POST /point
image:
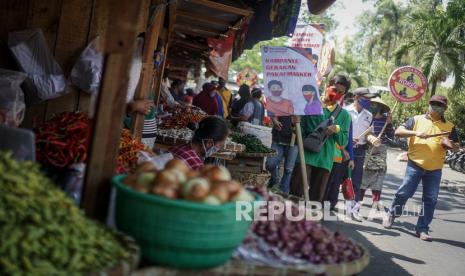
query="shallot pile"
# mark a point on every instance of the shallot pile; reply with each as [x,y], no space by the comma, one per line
[305,239]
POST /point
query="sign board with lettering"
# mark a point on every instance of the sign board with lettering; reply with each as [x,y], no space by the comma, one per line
[290,81]
[407,84]
[309,37]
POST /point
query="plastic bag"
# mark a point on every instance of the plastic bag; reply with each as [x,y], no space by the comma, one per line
[159,161]
[87,71]
[75,181]
[45,77]
[135,70]
[255,250]
[12,105]
[261,132]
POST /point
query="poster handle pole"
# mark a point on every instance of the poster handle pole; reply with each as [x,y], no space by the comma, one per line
[300,144]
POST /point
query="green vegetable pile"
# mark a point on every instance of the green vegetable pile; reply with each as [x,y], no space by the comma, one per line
[252,143]
[42,232]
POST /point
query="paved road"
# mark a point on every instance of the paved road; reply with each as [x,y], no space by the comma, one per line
[398,251]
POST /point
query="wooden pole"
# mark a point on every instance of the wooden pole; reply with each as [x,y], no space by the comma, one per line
[300,144]
[151,41]
[111,105]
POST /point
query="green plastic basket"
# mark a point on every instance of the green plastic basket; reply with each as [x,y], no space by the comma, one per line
[178,233]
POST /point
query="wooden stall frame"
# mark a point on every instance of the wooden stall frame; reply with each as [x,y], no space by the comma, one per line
[119,46]
[147,75]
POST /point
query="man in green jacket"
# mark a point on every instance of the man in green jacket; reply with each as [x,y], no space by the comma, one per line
[319,165]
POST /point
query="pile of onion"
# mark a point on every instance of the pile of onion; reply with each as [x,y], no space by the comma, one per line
[210,185]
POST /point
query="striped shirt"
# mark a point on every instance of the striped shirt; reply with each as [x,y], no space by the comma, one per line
[378,124]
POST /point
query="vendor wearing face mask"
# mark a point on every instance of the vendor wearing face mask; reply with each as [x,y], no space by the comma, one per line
[206,100]
[319,165]
[361,121]
[426,154]
[208,138]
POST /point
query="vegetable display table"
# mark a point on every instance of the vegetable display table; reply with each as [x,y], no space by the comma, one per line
[236,267]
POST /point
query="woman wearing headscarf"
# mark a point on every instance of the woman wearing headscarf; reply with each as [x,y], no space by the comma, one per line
[206,100]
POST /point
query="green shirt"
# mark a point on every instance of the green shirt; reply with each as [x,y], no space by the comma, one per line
[324,158]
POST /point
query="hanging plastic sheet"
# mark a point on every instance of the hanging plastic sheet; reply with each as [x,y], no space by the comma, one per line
[87,72]
[221,55]
[45,77]
[12,105]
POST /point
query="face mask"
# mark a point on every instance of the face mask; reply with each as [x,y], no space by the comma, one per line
[364,103]
[209,152]
[276,93]
[374,110]
[308,97]
[212,94]
[437,109]
[333,95]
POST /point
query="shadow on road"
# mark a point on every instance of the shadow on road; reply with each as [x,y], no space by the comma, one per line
[451,242]
[451,220]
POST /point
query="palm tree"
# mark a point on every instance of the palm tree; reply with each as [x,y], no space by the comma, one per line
[436,46]
[385,25]
[347,65]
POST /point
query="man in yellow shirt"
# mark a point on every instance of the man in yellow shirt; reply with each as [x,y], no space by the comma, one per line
[226,96]
[429,136]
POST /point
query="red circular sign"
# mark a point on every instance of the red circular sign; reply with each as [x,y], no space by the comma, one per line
[407,84]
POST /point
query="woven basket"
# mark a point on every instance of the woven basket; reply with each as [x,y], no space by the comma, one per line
[178,233]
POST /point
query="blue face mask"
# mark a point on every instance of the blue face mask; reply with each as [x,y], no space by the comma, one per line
[209,152]
[364,103]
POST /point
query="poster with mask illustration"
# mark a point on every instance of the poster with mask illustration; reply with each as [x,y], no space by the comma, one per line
[407,84]
[290,81]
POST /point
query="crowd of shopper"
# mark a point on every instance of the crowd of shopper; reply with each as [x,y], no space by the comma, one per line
[354,145]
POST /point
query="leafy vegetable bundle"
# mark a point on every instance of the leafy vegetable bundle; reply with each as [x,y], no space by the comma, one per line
[43,232]
[252,143]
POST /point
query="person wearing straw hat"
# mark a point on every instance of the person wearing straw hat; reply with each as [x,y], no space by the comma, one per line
[376,165]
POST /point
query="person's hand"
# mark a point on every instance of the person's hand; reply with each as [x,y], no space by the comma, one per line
[376,142]
[141,106]
[351,164]
[277,124]
[355,141]
[421,135]
[389,119]
[331,130]
[295,120]
[346,155]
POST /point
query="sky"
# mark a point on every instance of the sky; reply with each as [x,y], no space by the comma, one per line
[346,14]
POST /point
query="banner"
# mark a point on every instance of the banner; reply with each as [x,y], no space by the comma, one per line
[220,55]
[312,37]
[309,37]
[290,81]
[407,84]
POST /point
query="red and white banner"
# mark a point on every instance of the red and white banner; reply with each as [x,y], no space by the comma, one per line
[220,55]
